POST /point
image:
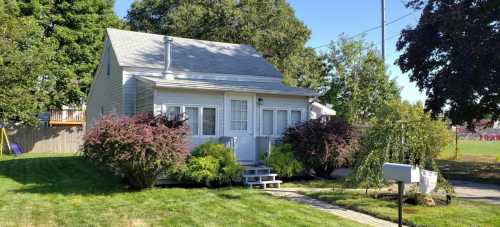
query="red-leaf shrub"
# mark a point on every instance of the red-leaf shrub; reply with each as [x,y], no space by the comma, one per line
[322,145]
[138,148]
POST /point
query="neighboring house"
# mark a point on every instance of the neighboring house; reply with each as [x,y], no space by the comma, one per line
[225,90]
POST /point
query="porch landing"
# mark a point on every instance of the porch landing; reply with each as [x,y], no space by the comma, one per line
[260,175]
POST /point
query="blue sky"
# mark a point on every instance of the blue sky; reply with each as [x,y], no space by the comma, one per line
[327,19]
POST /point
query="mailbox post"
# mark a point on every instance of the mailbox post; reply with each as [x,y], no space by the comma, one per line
[401,173]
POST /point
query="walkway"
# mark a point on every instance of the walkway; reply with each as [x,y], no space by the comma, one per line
[327,207]
[477,191]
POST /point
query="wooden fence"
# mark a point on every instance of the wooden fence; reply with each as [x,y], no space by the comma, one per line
[48,139]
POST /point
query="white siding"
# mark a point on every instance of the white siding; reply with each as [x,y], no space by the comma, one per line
[144,97]
[182,97]
[106,91]
[129,94]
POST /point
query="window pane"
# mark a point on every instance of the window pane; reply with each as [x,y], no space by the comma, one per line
[282,121]
[209,121]
[267,122]
[239,114]
[192,119]
[296,117]
[173,111]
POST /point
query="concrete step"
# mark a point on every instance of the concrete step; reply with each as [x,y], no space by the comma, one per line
[265,183]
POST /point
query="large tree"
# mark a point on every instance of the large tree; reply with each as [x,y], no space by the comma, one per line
[77,27]
[359,85]
[453,55]
[270,26]
[25,78]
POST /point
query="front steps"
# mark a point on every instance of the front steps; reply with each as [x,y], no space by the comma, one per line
[261,176]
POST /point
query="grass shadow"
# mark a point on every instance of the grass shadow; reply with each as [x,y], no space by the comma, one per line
[59,175]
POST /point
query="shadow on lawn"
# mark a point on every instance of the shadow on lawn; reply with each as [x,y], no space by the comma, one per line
[59,175]
[470,171]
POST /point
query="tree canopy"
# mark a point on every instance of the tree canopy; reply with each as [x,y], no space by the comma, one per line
[358,82]
[24,76]
[453,55]
[77,27]
[270,26]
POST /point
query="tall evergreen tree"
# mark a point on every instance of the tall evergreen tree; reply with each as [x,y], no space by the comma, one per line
[270,26]
[25,79]
[78,28]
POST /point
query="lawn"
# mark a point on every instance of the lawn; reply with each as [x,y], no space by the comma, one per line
[474,150]
[459,213]
[65,190]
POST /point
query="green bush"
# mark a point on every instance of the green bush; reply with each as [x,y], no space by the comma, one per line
[211,164]
[283,161]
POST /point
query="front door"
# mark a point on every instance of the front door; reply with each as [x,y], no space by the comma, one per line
[239,122]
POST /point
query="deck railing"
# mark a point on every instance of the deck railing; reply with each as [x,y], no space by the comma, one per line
[67,117]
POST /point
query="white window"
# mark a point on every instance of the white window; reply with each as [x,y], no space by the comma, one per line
[173,111]
[281,121]
[192,115]
[267,122]
[209,121]
[295,117]
[239,121]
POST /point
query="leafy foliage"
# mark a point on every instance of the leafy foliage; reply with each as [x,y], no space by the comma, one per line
[423,139]
[322,145]
[452,54]
[211,164]
[359,85]
[24,56]
[77,28]
[270,26]
[138,148]
[283,161]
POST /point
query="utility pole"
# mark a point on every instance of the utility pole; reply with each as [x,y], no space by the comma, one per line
[383,28]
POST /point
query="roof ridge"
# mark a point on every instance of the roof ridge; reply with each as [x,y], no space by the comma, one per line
[178,37]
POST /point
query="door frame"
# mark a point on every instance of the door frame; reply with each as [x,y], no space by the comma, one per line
[251,116]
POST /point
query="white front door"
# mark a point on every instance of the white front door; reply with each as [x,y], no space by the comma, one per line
[239,121]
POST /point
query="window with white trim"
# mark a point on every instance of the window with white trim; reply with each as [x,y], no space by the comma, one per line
[209,121]
[295,117]
[239,118]
[172,111]
[267,122]
[281,121]
[192,115]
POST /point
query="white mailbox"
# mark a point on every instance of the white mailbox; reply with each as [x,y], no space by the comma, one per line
[401,172]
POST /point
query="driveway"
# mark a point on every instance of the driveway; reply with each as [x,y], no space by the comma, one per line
[476,191]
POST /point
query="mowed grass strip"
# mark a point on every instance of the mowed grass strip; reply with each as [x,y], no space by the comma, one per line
[65,190]
[474,150]
[459,213]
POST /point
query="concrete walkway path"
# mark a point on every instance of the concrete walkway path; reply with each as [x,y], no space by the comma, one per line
[476,191]
[330,208]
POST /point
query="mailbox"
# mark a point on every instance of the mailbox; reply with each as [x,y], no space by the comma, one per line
[401,172]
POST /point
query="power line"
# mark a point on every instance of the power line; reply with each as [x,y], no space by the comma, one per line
[371,29]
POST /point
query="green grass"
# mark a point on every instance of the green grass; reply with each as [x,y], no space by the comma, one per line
[459,213]
[65,190]
[474,150]
[313,184]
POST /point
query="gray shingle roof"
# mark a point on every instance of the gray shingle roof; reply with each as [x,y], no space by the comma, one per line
[138,49]
[228,85]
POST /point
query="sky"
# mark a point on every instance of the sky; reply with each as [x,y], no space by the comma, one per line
[327,19]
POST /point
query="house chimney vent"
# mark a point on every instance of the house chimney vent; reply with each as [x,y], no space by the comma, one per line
[167,55]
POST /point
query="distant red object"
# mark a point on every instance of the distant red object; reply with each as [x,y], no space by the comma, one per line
[490,137]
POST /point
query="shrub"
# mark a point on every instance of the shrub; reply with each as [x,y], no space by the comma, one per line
[321,144]
[424,139]
[212,164]
[138,148]
[283,161]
